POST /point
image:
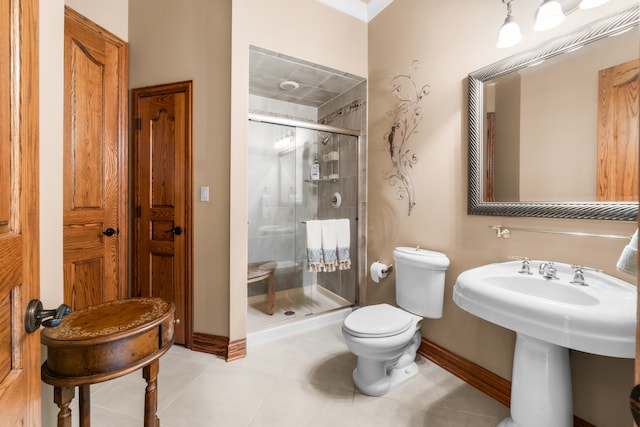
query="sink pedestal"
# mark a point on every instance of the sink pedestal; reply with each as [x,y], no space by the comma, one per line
[540,385]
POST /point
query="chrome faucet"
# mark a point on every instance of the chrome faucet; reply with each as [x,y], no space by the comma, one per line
[525,268]
[548,270]
[578,274]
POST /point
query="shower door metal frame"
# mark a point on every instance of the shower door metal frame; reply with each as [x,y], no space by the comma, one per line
[360,242]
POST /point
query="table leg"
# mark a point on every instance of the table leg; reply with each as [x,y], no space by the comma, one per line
[271,294]
[84,405]
[62,396]
[150,374]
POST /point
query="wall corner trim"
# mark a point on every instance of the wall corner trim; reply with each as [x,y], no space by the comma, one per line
[219,346]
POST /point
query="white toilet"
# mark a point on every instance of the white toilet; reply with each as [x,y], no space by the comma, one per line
[386,338]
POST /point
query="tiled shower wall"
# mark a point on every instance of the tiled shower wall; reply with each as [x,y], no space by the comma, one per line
[348,111]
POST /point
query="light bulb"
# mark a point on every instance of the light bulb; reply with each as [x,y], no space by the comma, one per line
[510,34]
[549,15]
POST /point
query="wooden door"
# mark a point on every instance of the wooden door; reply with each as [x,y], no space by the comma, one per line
[95,162]
[163,188]
[19,216]
[618,130]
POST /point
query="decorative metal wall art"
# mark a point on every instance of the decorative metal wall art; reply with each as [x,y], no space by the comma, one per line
[406,118]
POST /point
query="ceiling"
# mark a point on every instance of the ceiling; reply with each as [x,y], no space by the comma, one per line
[364,10]
[317,85]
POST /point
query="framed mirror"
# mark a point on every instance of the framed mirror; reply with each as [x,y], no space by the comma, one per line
[543,141]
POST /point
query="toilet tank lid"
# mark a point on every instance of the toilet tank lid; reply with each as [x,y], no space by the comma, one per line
[418,255]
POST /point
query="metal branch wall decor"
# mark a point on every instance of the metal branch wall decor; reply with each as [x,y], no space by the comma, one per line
[406,118]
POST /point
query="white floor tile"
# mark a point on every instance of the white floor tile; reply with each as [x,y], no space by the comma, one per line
[303,380]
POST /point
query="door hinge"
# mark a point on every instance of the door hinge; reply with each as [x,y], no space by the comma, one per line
[139,123]
[139,211]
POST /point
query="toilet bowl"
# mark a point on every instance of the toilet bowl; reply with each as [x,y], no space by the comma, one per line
[386,338]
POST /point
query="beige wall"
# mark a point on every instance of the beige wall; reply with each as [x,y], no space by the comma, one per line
[507,164]
[51,100]
[111,14]
[451,40]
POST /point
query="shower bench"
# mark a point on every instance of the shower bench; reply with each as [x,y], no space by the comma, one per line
[258,271]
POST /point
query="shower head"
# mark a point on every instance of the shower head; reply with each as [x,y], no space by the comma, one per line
[326,139]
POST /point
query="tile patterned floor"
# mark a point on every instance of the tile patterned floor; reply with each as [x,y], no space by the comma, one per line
[303,380]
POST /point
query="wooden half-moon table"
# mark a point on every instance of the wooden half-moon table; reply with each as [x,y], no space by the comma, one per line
[103,342]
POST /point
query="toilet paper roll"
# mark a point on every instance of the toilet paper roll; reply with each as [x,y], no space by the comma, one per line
[378,271]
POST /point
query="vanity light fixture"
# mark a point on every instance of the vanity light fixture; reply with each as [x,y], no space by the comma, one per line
[548,15]
[510,34]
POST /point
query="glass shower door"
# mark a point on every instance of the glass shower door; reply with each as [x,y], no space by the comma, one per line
[282,197]
[336,206]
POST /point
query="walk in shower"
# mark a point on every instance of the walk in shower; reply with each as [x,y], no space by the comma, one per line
[298,172]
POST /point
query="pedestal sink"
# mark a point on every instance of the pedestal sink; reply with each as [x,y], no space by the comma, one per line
[550,316]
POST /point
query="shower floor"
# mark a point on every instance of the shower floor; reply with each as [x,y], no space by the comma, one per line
[303,302]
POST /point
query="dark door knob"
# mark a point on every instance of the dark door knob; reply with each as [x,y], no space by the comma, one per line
[177,230]
[111,232]
[36,316]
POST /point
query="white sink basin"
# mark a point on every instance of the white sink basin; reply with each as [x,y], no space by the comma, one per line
[599,318]
[549,317]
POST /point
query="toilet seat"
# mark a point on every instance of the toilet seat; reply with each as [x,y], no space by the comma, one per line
[378,321]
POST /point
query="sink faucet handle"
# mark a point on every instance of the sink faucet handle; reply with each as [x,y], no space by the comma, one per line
[583,268]
[525,268]
[578,274]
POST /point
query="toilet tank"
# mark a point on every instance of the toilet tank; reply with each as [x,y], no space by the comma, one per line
[420,281]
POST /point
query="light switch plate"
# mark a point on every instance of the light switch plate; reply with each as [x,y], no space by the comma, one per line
[204,193]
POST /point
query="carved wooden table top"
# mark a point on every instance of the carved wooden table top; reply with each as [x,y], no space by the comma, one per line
[103,342]
[108,320]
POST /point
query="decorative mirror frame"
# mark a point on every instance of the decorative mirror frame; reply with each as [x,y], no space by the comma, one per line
[624,211]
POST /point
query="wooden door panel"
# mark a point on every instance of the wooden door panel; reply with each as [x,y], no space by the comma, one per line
[80,237]
[618,132]
[19,212]
[84,282]
[162,152]
[162,190]
[87,144]
[6,335]
[94,163]
[162,276]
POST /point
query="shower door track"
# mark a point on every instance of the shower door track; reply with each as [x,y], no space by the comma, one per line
[301,124]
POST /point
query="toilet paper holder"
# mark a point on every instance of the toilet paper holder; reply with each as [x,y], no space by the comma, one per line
[388,269]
